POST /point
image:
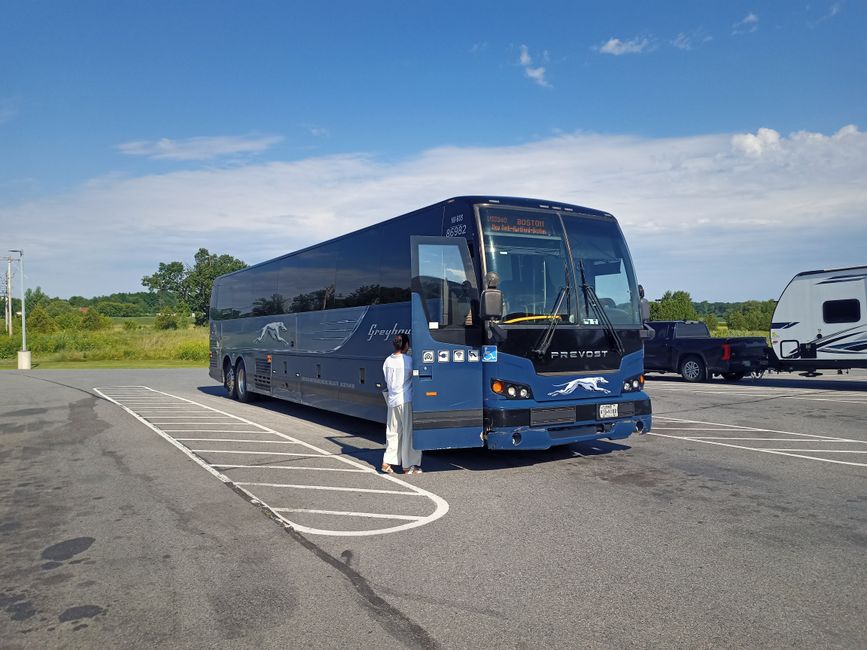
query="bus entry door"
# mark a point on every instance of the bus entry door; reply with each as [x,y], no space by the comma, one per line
[447,375]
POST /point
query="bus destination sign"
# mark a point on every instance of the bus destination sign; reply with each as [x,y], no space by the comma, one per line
[517,225]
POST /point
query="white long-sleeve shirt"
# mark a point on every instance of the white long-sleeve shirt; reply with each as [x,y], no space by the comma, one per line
[398,379]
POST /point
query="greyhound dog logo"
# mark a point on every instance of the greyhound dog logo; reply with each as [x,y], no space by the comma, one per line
[272,330]
[587,383]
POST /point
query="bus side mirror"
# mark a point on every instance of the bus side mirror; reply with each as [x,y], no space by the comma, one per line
[492,304]
[647,332]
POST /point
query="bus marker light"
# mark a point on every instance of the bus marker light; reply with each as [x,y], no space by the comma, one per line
[497,387]
[431,394]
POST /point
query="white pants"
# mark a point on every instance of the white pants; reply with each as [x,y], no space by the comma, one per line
[398,436]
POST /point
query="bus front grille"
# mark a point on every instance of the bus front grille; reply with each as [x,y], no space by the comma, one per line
[557,415]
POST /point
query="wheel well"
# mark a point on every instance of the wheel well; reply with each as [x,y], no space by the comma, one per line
[690,355]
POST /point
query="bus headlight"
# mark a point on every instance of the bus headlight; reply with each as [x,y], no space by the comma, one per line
[633,384]
[511,390]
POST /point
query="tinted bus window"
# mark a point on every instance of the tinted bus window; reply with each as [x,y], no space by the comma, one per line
[393,240]
[841,311]
[262,284]
[357,282]
[308,279]
[234,299]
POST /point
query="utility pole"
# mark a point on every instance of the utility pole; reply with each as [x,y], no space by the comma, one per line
[24,359]
[8,313]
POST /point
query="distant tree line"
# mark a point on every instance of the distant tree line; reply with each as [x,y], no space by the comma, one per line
[749,315]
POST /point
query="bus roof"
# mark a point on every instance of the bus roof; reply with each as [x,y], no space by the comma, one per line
[513,201]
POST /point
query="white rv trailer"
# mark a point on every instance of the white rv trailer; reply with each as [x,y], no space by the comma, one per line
[821,321]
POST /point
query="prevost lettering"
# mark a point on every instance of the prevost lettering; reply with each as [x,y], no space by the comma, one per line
[580,354]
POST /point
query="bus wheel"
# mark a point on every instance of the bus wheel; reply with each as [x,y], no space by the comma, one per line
[229,380]
[692,369]
[241,388]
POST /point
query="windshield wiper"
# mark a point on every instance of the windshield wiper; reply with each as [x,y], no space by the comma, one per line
[544,341]
[591,299]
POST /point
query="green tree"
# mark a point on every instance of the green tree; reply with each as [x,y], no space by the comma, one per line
[93,320]
[711,321]
[39,321]
[36,298]
[191,285]
[674,305]
[166,320]
[752,315]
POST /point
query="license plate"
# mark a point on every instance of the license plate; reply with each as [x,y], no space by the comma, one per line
[607,411]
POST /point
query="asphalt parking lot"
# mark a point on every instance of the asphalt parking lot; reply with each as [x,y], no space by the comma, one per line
[142,508]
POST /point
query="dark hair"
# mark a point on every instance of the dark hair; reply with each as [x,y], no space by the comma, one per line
[400,342]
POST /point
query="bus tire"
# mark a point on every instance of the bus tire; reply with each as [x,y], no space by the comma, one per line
[242,389]
[229,382]
[692,369]
[733,376]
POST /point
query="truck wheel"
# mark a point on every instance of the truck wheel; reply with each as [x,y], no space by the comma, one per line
[692,369]
[229,380]
[733,376]
[241,387]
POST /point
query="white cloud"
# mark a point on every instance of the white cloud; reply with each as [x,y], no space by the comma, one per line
[763,142]
[318,131]
[684,41]
[725,216]
[537,74]
[478,48]
[201,148]
[617,47]
[747,25]
[833,11]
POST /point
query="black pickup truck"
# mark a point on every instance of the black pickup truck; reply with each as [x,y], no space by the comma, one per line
[687,347]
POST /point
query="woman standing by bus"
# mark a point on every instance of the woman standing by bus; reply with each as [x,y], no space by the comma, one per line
[397,370]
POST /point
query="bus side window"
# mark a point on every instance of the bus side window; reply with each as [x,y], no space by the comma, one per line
[446,290]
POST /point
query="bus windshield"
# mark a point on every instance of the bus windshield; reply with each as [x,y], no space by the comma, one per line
[599,244]
[528,250]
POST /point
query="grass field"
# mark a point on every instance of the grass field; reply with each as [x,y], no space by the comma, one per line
[117,347]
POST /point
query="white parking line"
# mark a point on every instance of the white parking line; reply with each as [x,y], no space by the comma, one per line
[312,469]
[737,427]
[117,395]
[795,453]
[257,442]
[758,439]
[332,488]
[257,453]
[209,431]
[373,515]
[825,451]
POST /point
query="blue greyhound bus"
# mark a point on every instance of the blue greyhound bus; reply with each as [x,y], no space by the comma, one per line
[523,315]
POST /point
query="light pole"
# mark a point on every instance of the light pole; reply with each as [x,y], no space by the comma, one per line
[23,354]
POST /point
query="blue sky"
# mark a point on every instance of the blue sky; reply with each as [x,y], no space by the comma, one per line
[718,133]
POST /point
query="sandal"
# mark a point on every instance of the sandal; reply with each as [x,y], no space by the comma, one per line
[386,469]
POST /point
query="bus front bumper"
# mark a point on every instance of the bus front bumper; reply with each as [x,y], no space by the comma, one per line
[510,429]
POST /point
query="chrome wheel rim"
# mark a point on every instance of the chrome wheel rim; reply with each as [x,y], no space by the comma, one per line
[230,379]
[242,381]
[691,370]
